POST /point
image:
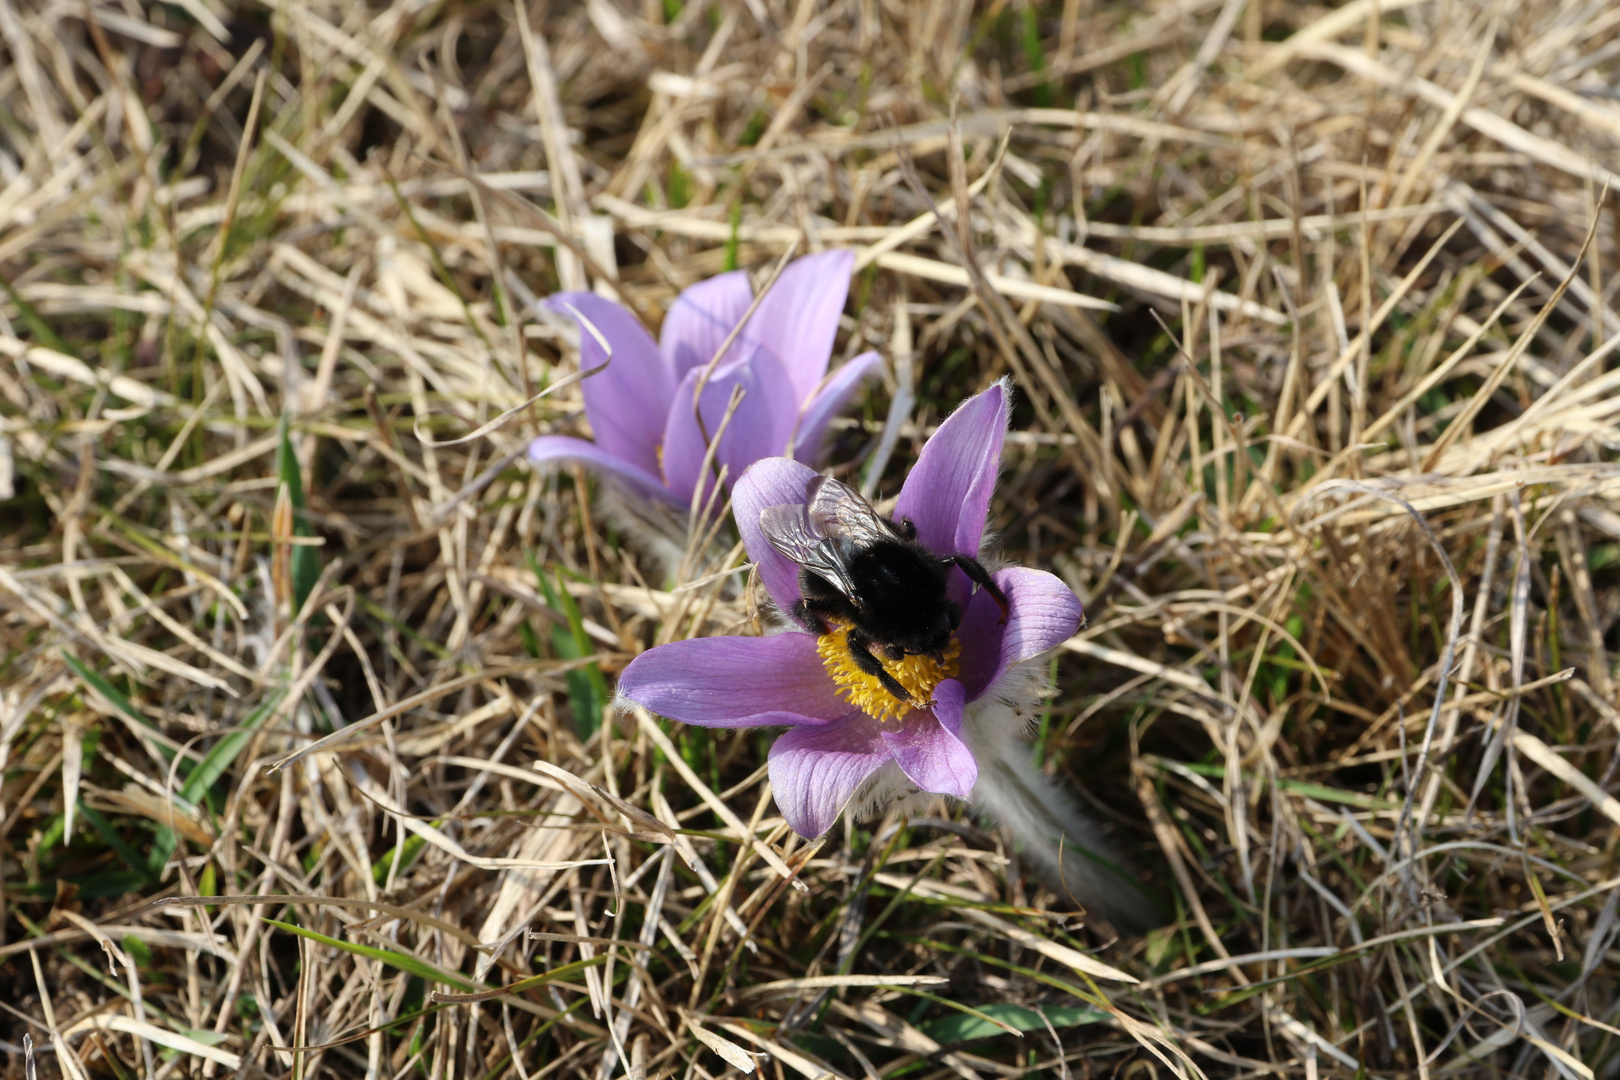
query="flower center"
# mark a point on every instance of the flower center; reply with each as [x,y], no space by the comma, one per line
[918,674]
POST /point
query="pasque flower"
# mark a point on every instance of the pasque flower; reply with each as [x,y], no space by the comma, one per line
[847,737]
[647,435]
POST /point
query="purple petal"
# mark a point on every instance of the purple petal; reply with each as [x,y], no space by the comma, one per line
[549,448]
[701,318]
[798,318]
[1042,613]
[735,682]
[815,770]
[764,419]
[636,386]
[683,442]
[758,429]
[771,482]
[947,493]
[829,400]
[928,744]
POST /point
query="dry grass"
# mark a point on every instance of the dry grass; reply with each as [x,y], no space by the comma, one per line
[1336,481]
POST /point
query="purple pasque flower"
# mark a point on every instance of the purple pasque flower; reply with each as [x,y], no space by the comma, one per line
[647,434]
[843,738]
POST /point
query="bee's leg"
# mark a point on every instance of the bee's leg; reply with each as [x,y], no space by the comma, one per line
[860,647]
[820,603]
[812,614]
[981,577]
[801,614]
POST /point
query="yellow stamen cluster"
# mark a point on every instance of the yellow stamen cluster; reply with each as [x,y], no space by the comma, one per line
[918,674]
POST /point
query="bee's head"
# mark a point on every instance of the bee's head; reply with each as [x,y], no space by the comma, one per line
[927,636]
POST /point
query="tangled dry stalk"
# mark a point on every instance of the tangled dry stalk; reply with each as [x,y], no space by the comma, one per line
[1331,463]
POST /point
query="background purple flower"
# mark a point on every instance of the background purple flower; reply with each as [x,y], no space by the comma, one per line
[640,408]
[831,749]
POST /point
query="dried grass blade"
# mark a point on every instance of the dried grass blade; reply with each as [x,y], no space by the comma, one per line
[433,693]
[1545,757]
[278,899]
[162,1036]
[1062,954]
[704,792]
[1463,421]
[500,421]
[730,1052]
[1017,288]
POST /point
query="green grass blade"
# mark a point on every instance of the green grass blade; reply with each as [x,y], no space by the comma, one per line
[587,690]
[408,851]
[403,961]
[223,754]
[214,764]
[107,690]
[306,564]
[36,324]
[522,984]
[104,829]
[995,1018]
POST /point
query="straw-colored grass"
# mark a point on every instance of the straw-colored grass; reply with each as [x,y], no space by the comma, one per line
[1332,466]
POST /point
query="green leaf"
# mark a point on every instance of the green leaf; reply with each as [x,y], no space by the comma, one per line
[587,690]
[1035,57]
[137,950]
[287,469]
[409,850]
[403,961]
[306,564]
[35,322]
[736,209]
[164,843]
[104,829]
[107,690]
[222,754]
[207,1038]
[490,994]
[751,135]
[106,883]
[962,1027]
[1320,792]
[679,189]
[416,637]
[214,764]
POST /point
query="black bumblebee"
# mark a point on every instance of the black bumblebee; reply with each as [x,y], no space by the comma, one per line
[861,568]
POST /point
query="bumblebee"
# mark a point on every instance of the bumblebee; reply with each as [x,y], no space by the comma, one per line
[861,570]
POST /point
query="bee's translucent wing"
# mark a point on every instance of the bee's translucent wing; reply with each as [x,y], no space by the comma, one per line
[791,532]
[837,510]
